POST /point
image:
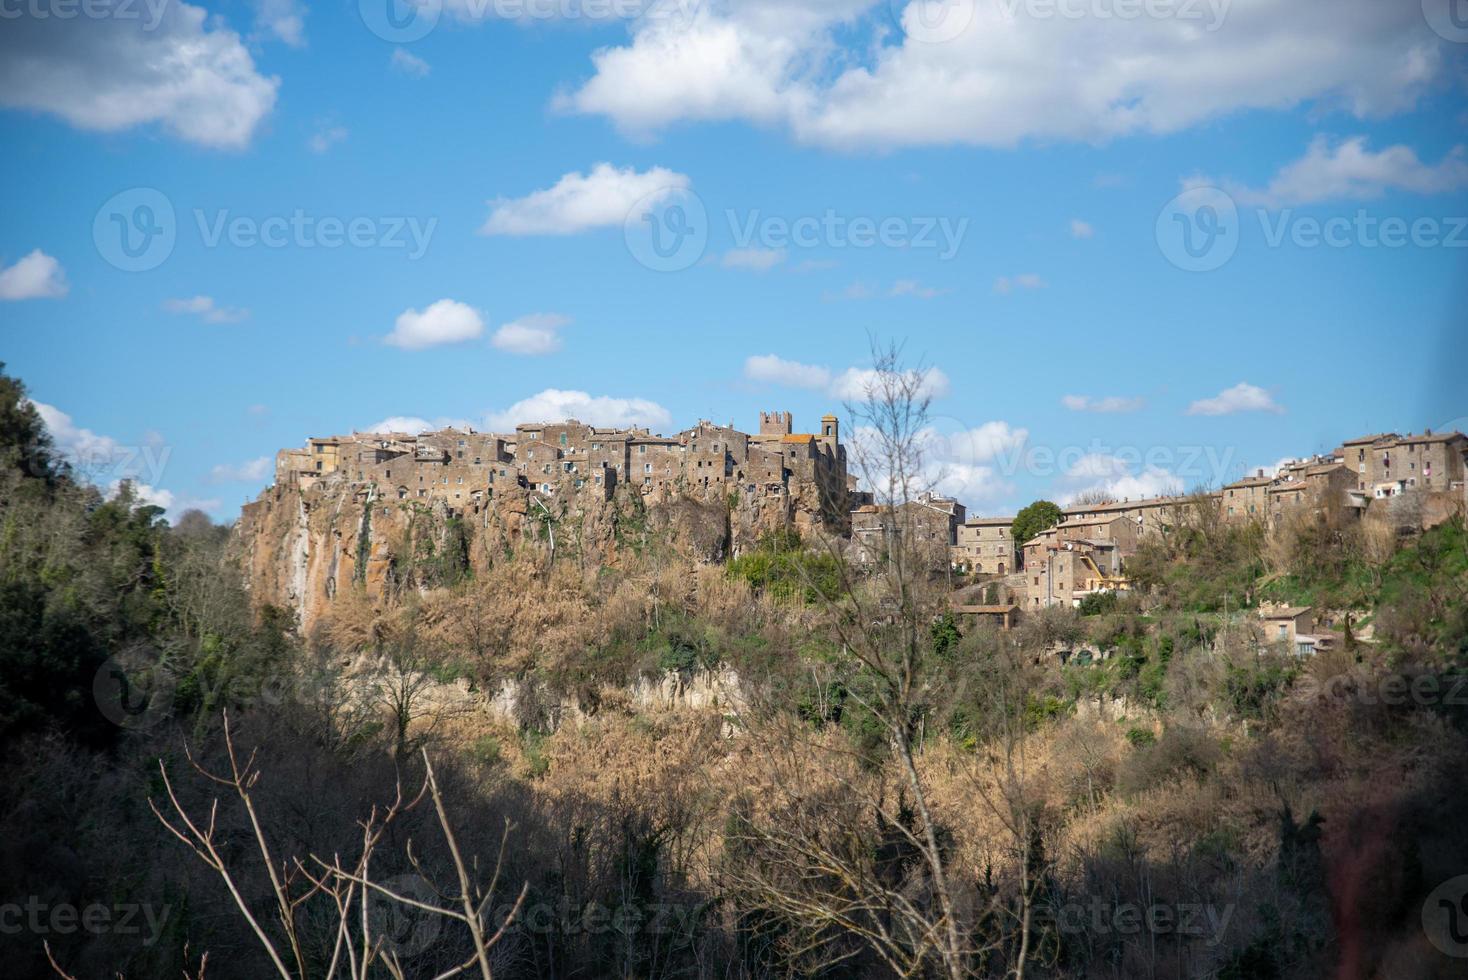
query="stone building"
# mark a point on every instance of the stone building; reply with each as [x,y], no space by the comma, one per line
[463,466]
[984,546]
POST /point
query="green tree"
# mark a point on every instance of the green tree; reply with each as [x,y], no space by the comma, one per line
[1037,517]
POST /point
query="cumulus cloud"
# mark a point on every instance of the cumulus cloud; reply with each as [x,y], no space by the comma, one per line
[408,63]
[1350,171]
[1102,473]
[829,72]
[445,322]
[1081,229]
[755,259]
[579,202]
[853,384]
[555,405]
[1242,397]
[36,276]
[407,424]
[990,441]
[1004,285]
[144,494]
[1106,405]
[793,374]
[73,441]
[538,333]
[100,458]
[205,309]
[861,384]
[166,64]
[251,471]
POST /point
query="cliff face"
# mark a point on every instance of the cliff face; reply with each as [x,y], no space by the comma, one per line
[301,547]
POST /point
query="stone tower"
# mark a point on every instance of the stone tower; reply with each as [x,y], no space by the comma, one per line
[774,423]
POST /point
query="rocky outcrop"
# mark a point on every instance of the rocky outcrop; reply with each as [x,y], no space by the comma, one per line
[302,546]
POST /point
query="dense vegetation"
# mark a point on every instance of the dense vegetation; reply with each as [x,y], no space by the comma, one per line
[776,767]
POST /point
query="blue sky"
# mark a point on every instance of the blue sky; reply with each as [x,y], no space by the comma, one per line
[1035,165]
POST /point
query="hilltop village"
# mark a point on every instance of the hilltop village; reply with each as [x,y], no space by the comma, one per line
[801,479]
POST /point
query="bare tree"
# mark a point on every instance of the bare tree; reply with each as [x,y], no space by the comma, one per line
[347,889]
[849,849]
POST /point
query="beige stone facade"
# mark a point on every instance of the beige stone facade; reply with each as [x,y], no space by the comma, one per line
[984,546]
[463,466]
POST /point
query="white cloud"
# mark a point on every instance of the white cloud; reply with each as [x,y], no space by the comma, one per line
[578,202]
[36,276]
[1109,404]
[409,424]
[853,384]
[251,471]
[860,384]
[911,287]
[205,308]
[537,333]
[829,72]
[555,405]
[408,63]
[326,136]
[1348,170]
[973,486]
[990,441]
[1242,397]
[73,441]
[100,458]
[146,495]
[755,259]
[777,370]
[285,20]
[445,322]
[961,464]
[169,64]
[143,493]
[1114,476]
[1025,280]
[1081,229]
